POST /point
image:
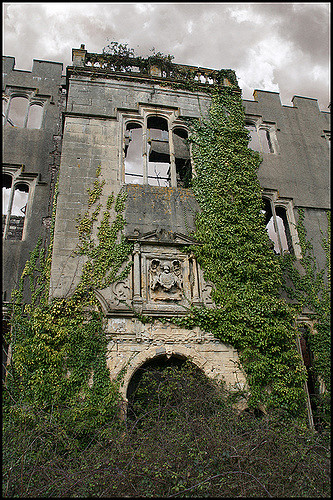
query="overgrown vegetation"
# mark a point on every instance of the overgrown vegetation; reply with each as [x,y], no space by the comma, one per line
[185,441]
[235,256]
[310,287]
[58,360]
[62,434]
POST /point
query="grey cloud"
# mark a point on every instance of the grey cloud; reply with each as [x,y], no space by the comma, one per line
[218,38]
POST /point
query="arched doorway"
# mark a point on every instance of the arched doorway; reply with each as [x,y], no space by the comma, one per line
[160,383]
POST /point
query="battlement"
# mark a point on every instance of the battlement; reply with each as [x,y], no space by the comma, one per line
[39,67]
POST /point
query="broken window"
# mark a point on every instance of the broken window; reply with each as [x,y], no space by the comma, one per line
[158,151]
[182,157]
[14,199]
[6,191]
[260,138]
[133,154]
[277,227]
[154,156]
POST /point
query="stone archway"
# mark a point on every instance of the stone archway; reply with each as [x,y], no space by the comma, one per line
[165,352]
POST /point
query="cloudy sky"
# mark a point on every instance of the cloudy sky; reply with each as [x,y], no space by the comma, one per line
[281,47]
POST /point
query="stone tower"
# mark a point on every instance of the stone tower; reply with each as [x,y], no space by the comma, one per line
[127,118]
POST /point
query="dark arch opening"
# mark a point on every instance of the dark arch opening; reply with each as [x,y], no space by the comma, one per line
[156,363]
[143,386]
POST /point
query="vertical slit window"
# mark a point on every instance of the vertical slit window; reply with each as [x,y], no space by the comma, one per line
[182,157]
[6,191]
[158,152]
[133,154]
[277,228]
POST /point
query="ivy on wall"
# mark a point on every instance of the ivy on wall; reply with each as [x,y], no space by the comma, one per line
[235,256]
[59,346]
[309,287]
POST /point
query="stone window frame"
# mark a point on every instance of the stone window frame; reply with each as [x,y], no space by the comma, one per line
[16,172]
[33,98]
[269,127]
[287,205]
[141,118]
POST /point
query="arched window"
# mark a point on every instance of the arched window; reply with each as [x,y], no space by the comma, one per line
[182,157]
[35,116]
[133,154]
[277,227]
[15,200]
[18,108]
[158,151]
[23,110]
[260,138]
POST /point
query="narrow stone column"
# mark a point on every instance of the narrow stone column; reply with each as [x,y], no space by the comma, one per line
[137,299]
[196,296]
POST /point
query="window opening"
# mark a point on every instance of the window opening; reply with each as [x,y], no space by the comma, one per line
[4,110]
[35,116]
[18,108]
[277,227]
[6,190]
[133,154]
[182,157]
[158,152]
[259,139]
[16,212]
[312,384]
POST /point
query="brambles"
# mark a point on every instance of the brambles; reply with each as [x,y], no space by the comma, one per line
[187,441]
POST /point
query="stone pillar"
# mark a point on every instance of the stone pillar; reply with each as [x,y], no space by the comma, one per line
[194,277]
[137,298]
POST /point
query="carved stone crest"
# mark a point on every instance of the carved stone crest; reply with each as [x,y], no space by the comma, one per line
[166,281]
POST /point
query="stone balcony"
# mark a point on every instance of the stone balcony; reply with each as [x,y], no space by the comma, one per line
[153,67]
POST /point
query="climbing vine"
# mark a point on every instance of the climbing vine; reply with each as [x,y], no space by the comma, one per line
[59,345]
[309,287]
[235,256]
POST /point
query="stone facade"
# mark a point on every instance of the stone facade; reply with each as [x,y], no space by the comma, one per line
[105,109]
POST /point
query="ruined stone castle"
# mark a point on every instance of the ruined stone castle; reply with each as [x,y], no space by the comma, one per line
[130,121]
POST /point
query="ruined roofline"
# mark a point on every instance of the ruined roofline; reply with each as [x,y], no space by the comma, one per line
[159,67]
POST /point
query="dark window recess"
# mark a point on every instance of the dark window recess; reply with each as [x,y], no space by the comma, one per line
[158,151]
[312,383]
[277,228]
[182,158]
